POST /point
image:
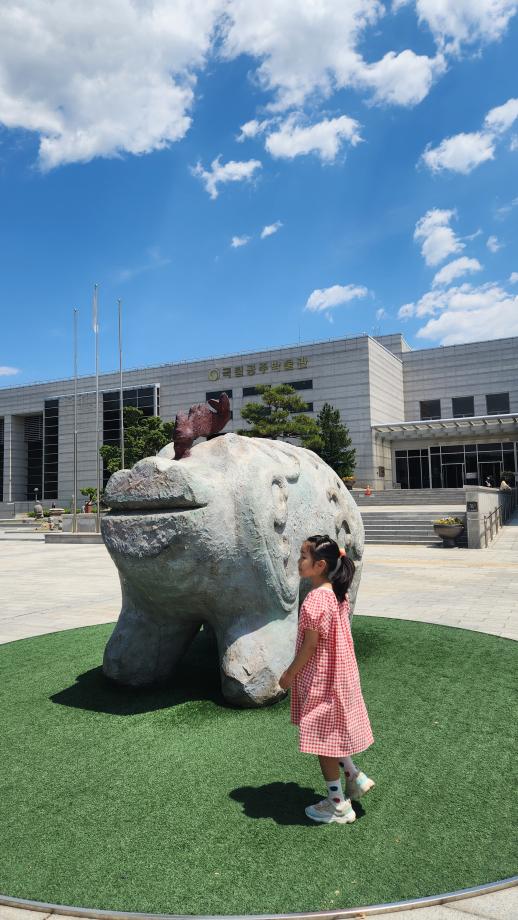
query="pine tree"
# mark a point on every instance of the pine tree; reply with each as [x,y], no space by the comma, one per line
[336,442]
[279,416]
[144,436]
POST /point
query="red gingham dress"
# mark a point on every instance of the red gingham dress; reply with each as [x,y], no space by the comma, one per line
[326,697]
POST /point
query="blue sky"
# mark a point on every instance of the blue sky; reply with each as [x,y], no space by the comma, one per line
[147,145]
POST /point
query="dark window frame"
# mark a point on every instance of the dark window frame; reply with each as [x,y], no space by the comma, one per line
[497,411]
[428,415]
[459,411]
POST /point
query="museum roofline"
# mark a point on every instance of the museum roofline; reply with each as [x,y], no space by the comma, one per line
[497,422]
[232,354]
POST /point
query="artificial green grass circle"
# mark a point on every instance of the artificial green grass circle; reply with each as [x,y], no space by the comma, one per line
[167,801]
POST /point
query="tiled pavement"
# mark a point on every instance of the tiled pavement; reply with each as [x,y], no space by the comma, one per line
[45,588]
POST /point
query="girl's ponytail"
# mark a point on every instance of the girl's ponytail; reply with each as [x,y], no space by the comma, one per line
[340,568]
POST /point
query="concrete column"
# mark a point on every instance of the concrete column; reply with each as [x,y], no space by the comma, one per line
[15,459]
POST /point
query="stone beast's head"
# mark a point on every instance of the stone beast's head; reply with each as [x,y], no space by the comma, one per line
[215,538]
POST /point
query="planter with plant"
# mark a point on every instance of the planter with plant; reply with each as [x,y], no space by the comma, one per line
[449,529]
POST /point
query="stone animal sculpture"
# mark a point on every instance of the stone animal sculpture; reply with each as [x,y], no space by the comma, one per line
[214,539]
[200,422]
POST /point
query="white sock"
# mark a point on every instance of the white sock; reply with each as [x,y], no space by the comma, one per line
[335,791]
[350,769]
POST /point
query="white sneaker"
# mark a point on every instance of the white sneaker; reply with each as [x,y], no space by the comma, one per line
[358,786]
[327,812]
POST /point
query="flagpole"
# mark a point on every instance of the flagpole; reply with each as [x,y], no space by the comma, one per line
[74,496]
[97,444]
[121,405]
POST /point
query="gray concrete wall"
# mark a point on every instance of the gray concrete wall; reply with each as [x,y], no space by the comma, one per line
[475,370]
[396,343]
[17,488]
[386,400]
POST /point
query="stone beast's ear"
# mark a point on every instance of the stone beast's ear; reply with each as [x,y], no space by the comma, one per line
[347,520]
[271,470]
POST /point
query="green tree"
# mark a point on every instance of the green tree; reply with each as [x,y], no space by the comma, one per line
[279,415]
[336,442]
[144,436]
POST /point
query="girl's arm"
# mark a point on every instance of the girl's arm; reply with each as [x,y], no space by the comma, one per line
[307,649]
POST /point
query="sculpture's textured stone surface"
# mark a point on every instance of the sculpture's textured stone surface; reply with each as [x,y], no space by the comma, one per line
[214,538]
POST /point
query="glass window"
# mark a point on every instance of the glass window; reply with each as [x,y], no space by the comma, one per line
[435,462]
[51,426]
[463,406]
[215,394]
[414,472]
[301,384]
[430,408]
[497,403]
[486,448]
[471,463]
[402,471]
[425,470]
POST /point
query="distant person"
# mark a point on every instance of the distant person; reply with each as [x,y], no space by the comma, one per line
[505,487]
[489,482]
[326,698]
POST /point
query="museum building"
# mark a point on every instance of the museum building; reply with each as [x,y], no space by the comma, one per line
[419,419]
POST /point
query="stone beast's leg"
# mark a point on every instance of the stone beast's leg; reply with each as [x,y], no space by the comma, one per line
[253,657]
[144,647]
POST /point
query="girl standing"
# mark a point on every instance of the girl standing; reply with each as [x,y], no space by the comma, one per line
[326,700]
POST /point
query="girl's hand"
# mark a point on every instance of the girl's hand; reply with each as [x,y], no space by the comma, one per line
[285,680]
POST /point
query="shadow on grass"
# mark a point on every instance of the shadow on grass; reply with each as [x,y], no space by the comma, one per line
[196,678]
[284,803]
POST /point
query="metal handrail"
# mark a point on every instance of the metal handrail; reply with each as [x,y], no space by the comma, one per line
[500,515]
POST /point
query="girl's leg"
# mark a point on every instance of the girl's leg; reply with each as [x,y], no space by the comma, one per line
[356,782]
[330,767]
[350,769]
[335,807]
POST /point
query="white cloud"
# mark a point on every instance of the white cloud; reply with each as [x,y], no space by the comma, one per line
[238,241]
[459,22]
[304,47]
[307,48]
[506,209]
[381,313]
[438,239]
[469,314]
[270,229]
[493,244]
[6,371]
[119,76]
[513,143]
[101,78]
[513,278]
[503,117]
[334,296]
[407,310]
[325,138]
[462,153]
[221,173]
[252,129]
[400,79]
[456,269]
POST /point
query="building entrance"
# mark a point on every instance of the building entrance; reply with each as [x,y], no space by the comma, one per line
[492,471]
[451,466]
[453,475]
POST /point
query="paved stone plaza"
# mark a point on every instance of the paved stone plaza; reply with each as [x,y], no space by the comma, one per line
[45,588]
